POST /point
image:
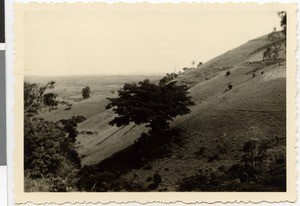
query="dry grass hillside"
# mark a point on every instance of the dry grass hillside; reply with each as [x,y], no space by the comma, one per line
[222,120]
[250,51]
[218,126]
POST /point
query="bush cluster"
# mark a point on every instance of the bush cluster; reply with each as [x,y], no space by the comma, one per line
[50,157]
[261,168]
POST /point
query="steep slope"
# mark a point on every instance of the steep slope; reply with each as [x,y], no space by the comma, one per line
[250,51]
[222,122]
[224,119]
[98,140]
[250,96]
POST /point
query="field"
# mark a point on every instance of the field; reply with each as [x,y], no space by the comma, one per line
[214,134]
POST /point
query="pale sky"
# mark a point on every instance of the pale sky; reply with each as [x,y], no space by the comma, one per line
[134,41]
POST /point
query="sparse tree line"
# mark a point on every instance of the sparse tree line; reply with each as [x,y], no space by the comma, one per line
[272,51]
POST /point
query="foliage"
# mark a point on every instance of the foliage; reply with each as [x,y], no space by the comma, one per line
[107,175]
[50,99]
[166,79]
[261,168]
[86,92]
[41,151]
[49,156]
[157,145]
[157,179]
[283,17]
[78,119]
[70,126]
[271,53]
[34,98]
[150,104]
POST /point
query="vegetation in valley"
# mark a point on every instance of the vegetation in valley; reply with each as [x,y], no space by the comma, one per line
[217,126]
[51,162]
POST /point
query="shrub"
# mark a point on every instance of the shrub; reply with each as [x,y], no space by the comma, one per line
[86,92]
[262,167]
[70,126]
[34,97]
[50,99]
[227,73]
[49,157]
[157,178]
[79,118]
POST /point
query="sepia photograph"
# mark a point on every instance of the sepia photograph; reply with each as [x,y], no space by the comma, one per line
[153,98]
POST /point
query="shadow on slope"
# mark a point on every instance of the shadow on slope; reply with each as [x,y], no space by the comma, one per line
[107,175]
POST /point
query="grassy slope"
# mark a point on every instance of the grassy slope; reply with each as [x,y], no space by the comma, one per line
[105,140]
[254,108]
[229,59]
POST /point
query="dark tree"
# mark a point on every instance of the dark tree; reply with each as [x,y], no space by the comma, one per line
[150,104]
[70,126]
[50,99]
[86,91]
[33,97]
[200,63]
[282,15]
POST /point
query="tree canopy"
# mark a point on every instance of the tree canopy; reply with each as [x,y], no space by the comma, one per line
[150,104]
[48,152]
[86,91]
[35,97]
[282,15]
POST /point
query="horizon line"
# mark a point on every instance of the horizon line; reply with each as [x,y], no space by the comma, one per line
[35,75]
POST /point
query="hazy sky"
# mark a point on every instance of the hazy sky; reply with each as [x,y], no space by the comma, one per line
[134,41]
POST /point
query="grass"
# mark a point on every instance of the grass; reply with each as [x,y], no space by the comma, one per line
[215,131]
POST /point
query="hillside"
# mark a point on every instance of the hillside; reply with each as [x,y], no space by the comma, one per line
[249,52]
[214,133]
[216,129]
